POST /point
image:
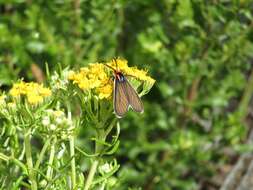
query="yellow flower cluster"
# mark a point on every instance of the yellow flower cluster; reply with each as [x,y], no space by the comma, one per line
[97,76]
[34,92]
[121,64]
[93,77]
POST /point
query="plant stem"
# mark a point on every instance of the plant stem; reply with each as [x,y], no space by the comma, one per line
[4,157]
[42,153]
[108,130]
[29,161]
[51,159]
[14,160]
[73,162]
[102,186]
[92,172]
[93,169]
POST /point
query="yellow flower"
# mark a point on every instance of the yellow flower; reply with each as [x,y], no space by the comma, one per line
[105,91]
[18,89]
[34,92]
[71,75]
[139,74]
[45,92]
[97,77]
[121,65]
[94,78]
[34,99]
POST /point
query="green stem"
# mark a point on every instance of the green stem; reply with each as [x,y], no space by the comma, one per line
[72,151]
[28,153]
[93,169]
[102,186]
[51,159]
[42,153]
[20,164]
[4,157]
[108,130]
[15,161]
[73,162]
[91,175]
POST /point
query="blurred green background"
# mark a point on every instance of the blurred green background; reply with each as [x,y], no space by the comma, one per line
[197,116]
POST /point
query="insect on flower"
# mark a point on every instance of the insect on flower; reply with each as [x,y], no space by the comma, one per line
[124,95]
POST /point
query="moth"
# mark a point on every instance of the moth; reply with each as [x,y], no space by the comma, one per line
[124,95]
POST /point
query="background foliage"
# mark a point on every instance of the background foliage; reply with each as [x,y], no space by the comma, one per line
[200,52]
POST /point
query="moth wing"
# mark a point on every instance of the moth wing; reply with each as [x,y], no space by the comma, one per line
[133,98]
[121,102]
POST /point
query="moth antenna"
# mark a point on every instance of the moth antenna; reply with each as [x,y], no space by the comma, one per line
[109,67]
[116,63]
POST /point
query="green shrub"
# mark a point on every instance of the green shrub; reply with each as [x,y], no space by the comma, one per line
[200,53]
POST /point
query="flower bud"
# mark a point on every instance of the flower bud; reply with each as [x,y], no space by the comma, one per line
[52,127]
[46,121]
